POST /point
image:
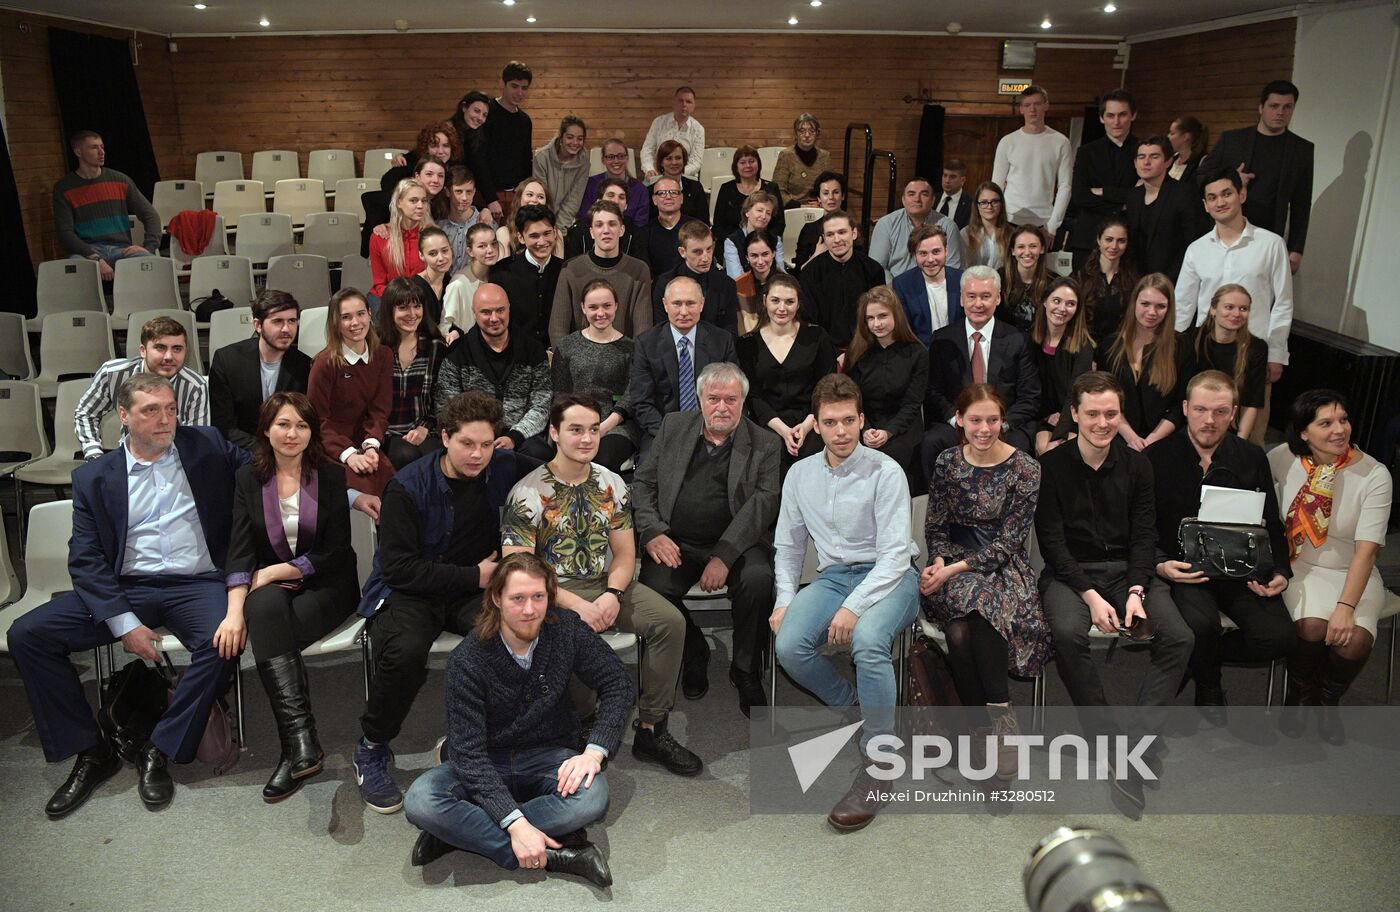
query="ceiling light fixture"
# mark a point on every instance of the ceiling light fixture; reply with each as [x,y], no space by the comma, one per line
[529,18]
[508,2]
[816,3]
[263,22]
[1110,8]
[792,20]
[200,6]
[1046,23]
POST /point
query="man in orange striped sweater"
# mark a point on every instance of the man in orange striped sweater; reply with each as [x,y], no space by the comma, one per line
[91,208]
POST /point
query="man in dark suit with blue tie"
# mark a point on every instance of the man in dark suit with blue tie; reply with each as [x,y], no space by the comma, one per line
[979,349]
[667,358]
[150,534]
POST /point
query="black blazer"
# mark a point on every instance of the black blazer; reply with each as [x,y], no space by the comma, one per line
[1099,163]
[1178,223]
[235,387]
[324,541]
[655,384]
[1057,375]
[1009,369]
[1293,207]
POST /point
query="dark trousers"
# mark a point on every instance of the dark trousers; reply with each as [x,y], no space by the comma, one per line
[750,584]
[284,620]
[943,435]
[401,452]
[1265,628]
[42,640]
[1069,626]
[402,634]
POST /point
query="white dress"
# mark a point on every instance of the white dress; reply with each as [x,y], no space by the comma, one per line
[1360,511]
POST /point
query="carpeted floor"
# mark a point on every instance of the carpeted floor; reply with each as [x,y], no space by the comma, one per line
[672,844]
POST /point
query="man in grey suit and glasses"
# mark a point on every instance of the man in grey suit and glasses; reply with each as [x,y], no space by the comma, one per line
[667,358]
[708,517]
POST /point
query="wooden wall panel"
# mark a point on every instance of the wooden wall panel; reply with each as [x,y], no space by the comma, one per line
[32,125]
[1215,75]
[361,92]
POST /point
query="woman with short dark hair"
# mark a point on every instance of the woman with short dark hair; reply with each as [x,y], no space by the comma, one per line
[747,168]
[1338,505]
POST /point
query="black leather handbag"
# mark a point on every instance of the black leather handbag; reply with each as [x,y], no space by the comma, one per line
[1227,550]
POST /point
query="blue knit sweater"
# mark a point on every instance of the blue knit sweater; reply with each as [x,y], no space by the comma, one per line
[494,706]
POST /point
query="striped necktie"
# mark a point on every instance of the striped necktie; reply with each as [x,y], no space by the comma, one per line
[689,402]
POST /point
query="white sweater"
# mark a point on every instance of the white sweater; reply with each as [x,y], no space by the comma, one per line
[1034,171]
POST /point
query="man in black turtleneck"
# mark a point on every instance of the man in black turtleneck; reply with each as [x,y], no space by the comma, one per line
[531,274]
[697,250]
[629,277]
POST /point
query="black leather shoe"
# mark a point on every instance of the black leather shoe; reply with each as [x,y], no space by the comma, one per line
[658,746]
[750,687]
[153,782]
[90,769]
[428,849]
[1211,703]
[585,861]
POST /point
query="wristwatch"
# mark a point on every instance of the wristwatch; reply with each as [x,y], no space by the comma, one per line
[613,590]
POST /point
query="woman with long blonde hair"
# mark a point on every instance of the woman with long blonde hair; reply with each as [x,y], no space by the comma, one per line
[1223,342]
[397,254]
[1145,357]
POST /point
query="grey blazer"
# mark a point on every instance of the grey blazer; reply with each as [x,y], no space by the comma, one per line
[753,483]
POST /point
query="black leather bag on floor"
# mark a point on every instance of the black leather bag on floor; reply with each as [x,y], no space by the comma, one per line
[132,703]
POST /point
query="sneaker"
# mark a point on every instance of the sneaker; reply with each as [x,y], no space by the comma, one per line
[372,774]
[660,746]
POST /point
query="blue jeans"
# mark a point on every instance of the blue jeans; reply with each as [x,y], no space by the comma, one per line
[110,253]
[804,629]
[438,803]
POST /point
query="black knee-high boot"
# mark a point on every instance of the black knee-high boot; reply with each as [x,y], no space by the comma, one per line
[1337,675]
[1304,682]
[284,678]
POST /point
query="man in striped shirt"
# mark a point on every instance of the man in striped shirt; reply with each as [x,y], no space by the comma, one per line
[91,208]
[162,352]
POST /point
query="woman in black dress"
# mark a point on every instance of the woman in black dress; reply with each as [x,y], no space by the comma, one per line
[1025,274]
[1145,357]
[783,359]
[1062,349]
[436,251]
[1106,279]
[890,366]
[290,572]
[1223,342]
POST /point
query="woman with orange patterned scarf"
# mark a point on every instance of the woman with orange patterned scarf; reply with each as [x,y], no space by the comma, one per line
[1338,506]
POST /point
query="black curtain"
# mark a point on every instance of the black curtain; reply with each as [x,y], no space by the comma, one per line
[928,161]
[16,272]
[96,88]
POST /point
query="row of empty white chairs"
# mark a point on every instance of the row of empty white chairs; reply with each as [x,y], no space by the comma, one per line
[272,165]
[297,197]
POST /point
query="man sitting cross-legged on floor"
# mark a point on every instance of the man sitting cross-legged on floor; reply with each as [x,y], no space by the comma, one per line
[516,789]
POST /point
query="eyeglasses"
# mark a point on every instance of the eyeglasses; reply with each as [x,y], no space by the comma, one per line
[666,193]
[615,156]
[988,204]
[803,131]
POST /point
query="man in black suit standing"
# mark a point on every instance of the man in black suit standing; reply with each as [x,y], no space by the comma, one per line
[953,202]
[1276,166]
[978,349]
[245,373]
[1164,216]
[667,358]
[705,501]
[1103,173]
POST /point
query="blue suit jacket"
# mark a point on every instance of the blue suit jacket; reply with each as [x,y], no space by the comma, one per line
[909,287]
[98,544]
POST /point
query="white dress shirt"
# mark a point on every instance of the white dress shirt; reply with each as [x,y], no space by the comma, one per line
[692,136]
[1258,260]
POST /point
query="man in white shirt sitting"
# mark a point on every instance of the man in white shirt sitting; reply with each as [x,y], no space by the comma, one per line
[1034,167]
[854,503]
[681,127]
